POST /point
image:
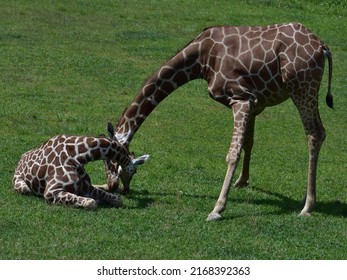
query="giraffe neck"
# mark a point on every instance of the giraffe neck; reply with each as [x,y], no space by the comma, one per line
[91,149]
[179,70]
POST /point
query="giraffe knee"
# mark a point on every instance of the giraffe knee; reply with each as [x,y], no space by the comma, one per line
[317,137]
[21,187]
[52,196]
[49,198]
[323,135]
[320,134]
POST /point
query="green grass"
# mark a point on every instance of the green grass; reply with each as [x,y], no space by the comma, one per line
[71,66]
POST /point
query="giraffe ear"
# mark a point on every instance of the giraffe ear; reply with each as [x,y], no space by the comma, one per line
[110,130]
[140,160]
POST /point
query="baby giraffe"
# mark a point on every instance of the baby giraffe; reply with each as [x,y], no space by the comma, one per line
[56,171]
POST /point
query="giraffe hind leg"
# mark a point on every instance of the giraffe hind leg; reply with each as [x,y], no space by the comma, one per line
[315,137]
[315,141]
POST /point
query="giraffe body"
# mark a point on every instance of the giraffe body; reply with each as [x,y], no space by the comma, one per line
[247,69]
[56,171]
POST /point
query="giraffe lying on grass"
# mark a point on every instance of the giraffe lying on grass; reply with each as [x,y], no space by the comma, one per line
[56,171]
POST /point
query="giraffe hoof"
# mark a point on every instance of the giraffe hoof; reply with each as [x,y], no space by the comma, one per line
[241,183]
[214,217]
[90,204]
[103,187]
[304,214]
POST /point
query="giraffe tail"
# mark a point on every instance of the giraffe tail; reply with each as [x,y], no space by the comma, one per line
[329,97]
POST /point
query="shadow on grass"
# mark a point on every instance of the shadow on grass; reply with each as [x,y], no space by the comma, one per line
[282,203]
[145,198]
[287,205]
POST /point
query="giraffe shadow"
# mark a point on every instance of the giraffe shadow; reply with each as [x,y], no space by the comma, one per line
[146,198]
[143,199]
[287,205]
[283,204]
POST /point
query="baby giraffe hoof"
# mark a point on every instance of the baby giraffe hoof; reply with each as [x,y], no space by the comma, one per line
[214,217]
[90,204]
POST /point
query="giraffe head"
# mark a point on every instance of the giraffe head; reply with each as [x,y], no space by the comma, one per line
[118,170]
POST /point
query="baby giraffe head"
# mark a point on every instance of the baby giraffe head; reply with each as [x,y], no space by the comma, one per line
[119,170]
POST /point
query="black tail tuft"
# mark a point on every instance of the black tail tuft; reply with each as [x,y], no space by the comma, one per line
[329,97]
[330,101]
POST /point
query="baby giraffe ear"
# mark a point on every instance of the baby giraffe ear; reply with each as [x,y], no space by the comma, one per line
[110,130]
[140,160]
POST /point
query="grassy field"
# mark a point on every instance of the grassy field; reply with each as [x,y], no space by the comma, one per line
[70,66]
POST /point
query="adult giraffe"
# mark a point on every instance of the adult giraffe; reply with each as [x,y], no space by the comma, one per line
[247,69]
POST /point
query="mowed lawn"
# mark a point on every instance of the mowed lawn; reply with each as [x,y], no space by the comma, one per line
[71,66]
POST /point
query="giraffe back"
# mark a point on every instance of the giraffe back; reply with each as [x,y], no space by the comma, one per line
[264,63]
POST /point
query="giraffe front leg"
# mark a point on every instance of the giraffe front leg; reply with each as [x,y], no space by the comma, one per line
[241,111]
[57,194]
[104,196]
[242,181]
[111,198]
[99,194]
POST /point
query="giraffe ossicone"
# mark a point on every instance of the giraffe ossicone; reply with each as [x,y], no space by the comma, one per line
[55,170]
[247,68]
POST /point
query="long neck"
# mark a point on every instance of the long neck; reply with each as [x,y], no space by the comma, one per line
[180,69]
[91,149]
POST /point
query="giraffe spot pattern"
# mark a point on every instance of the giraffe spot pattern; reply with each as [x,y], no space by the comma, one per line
[247,68]
[56,171]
